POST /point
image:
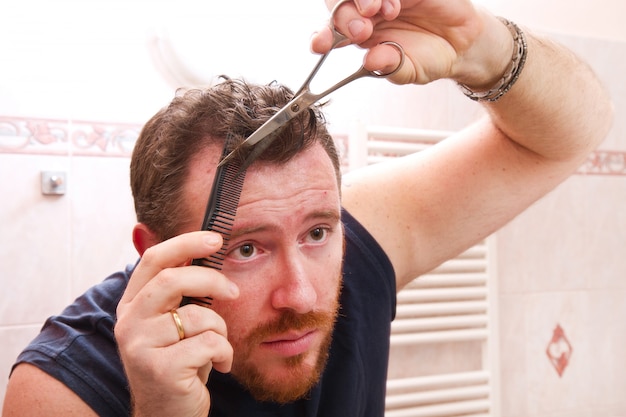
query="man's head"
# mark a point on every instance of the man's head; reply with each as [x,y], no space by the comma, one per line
[286,248]
[198,118]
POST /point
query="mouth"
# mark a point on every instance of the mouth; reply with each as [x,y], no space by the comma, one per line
[291,344]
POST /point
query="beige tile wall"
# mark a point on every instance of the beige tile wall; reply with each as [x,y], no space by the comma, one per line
[562,263]
[52,248]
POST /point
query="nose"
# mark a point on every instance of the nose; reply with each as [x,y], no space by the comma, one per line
[294,289]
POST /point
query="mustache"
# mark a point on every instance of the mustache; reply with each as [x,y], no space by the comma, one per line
[289,320]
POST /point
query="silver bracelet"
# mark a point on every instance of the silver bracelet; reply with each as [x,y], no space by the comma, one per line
[512,72]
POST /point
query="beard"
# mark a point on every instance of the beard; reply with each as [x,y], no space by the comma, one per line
[267,387]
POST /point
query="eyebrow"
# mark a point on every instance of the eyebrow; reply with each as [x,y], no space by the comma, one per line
[330,215]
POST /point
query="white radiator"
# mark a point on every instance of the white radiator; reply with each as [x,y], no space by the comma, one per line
[451,307]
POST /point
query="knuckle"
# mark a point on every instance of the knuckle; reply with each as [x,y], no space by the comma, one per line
[192,317]
[221,348]
[218,324]
[203,320]
[150,255]
[167,279]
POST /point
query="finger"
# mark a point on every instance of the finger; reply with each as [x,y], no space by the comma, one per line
[353,23]
[203,349]
[163,330]
[390,9]
[194,320]
[171,253]
[204,372]
[166,290]
[385,59]
[346,20]
[321,41]
[369,8]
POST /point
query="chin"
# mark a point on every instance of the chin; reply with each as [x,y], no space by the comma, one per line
[287,380]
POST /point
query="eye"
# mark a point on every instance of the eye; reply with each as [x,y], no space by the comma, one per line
[245,251]
[318,234]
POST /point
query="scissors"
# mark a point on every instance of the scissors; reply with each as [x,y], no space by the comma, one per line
[305,98]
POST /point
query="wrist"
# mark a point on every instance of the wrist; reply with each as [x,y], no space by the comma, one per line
[504,82]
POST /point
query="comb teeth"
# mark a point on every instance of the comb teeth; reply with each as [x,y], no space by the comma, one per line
[220,214]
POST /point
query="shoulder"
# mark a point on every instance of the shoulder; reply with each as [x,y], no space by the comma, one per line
[51,397]
[362,248]
[368,272]
[77,349]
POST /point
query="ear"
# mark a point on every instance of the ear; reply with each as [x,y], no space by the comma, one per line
[143,238]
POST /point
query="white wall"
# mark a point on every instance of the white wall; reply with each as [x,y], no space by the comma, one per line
[595,19]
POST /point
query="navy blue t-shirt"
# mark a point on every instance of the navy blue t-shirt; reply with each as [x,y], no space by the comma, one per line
[78,347]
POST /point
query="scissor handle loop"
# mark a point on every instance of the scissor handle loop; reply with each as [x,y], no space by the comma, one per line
[309,98]
[400,50]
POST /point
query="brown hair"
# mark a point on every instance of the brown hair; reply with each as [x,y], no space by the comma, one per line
[200,117]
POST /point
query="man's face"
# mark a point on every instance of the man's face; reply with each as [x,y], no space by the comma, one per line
[285,255]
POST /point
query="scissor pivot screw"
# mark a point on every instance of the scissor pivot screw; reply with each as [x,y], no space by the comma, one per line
[295,108]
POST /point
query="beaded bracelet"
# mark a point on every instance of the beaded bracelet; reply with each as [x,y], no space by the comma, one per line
[512,72]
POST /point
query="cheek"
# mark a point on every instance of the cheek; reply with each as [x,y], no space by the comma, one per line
[330,274]
[241,315]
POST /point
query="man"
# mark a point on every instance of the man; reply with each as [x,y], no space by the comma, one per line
[292,330]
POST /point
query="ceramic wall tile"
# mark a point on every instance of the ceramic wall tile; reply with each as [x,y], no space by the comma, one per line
[512,333]
[34,241]
[549,392]
[606,233]
[607,342]
[540,250]
[582,412]
[102,220]
[592,382]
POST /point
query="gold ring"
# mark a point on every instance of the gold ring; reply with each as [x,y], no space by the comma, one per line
[179,324]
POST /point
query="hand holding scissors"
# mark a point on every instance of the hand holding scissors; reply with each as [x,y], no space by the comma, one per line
[451,39]
[304,97]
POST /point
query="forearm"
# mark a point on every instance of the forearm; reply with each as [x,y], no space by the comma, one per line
[557,108]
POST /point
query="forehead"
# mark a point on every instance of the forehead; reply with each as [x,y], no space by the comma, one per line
[306,180]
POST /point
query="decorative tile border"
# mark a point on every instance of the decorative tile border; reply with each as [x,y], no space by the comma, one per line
[603,162]
[19,135]
[58,137]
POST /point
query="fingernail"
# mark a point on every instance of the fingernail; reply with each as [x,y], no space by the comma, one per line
[234,289]
[356,27]
[364,4]
[387,8]
[211,239]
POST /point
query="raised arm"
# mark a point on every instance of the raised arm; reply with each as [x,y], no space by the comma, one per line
[428,207]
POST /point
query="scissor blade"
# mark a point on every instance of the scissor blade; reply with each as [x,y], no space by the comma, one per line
[274,123]
[263,133]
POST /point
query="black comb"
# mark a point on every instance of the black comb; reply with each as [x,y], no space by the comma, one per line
[220,212]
